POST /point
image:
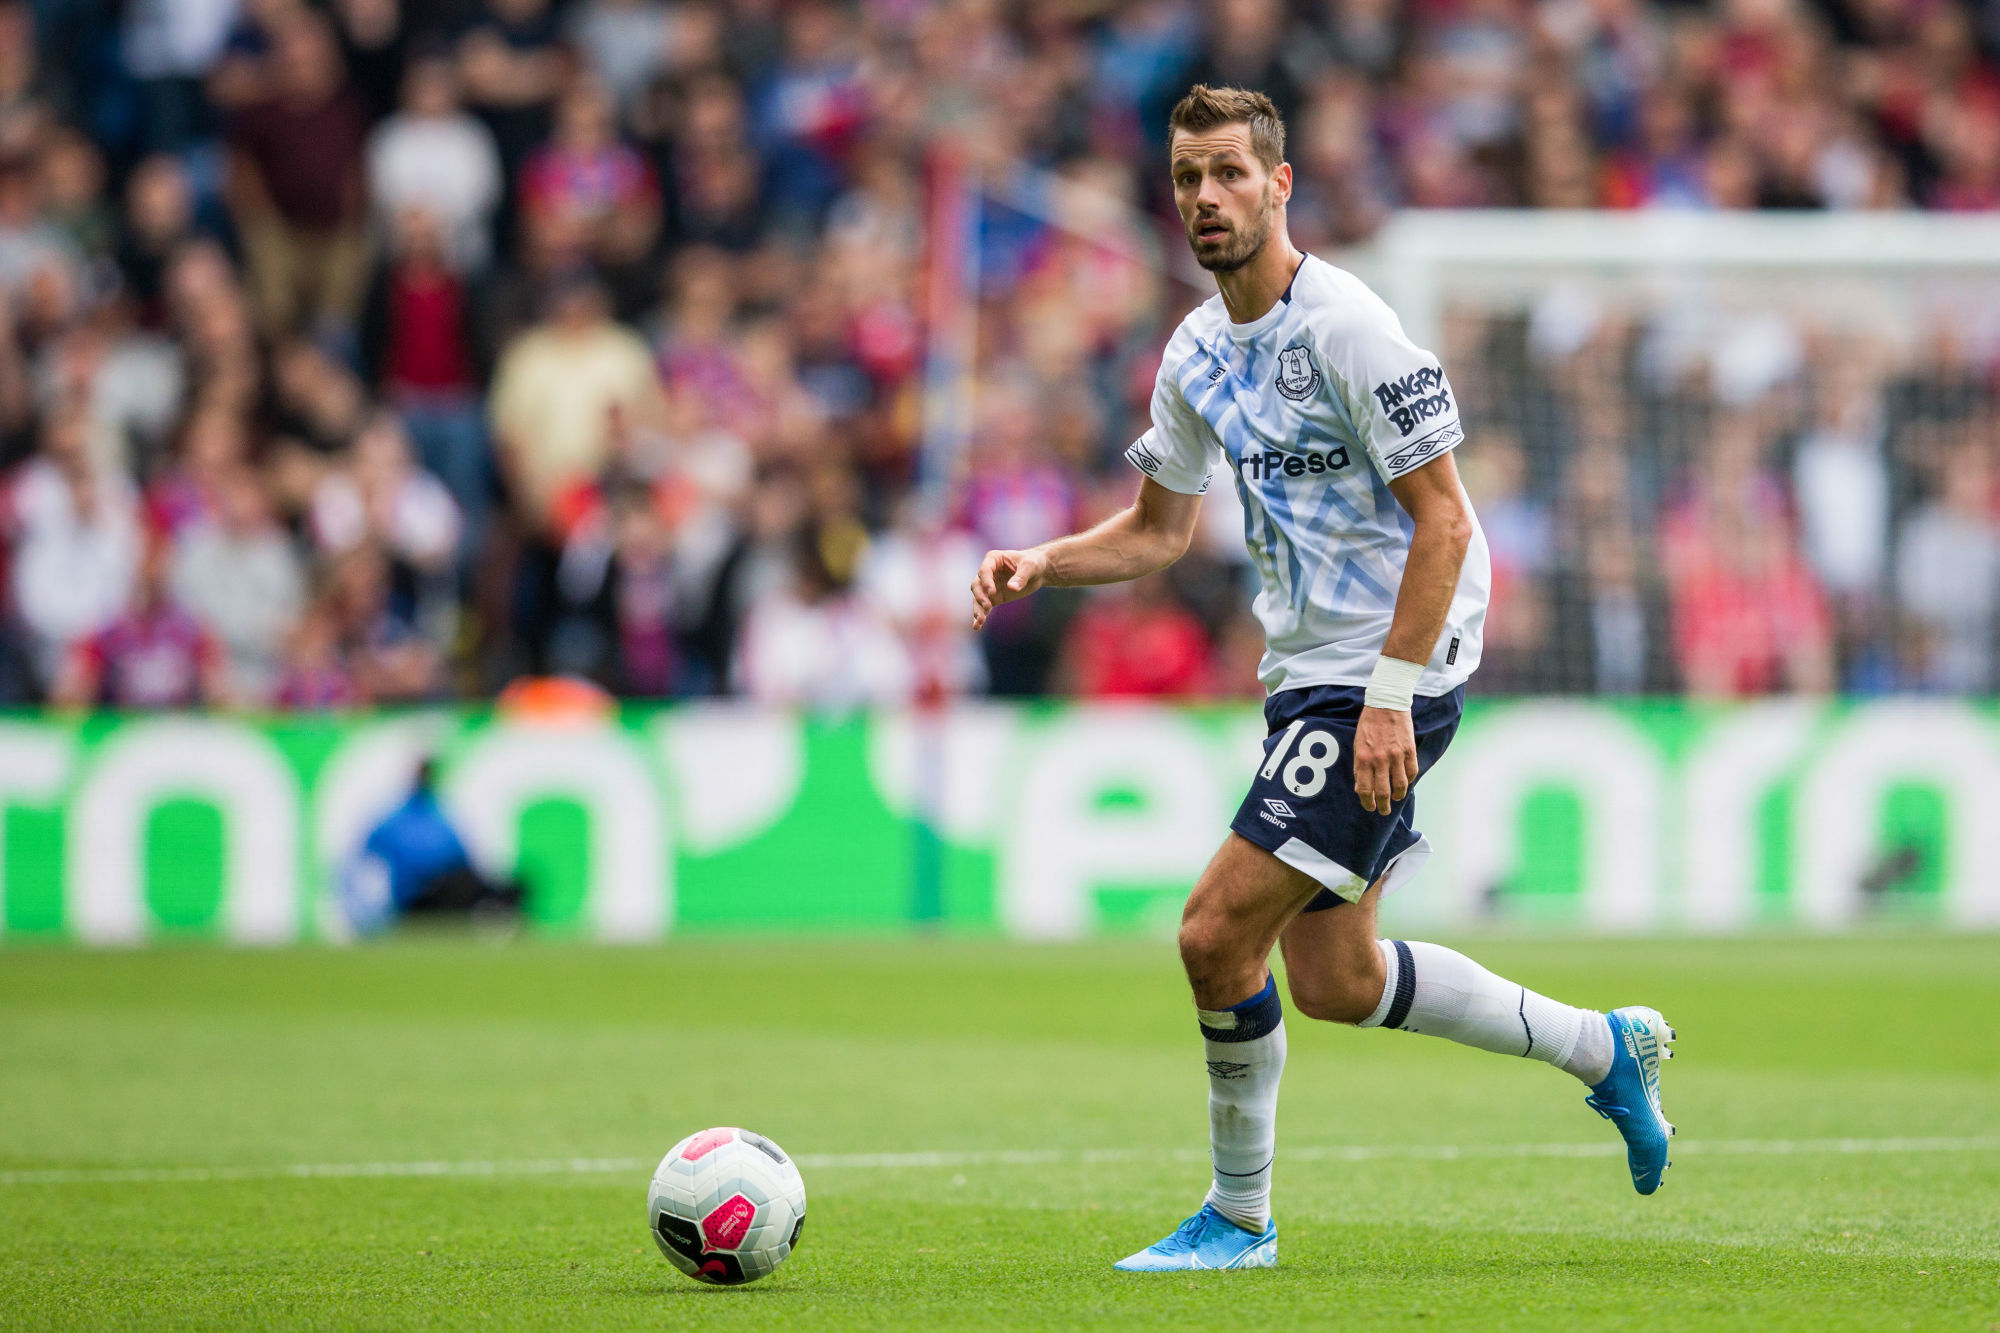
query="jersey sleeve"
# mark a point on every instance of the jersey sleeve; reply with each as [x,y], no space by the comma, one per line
[1403,407]
[1178,451]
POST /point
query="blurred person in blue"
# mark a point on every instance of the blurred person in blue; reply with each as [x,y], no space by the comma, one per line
[414,863]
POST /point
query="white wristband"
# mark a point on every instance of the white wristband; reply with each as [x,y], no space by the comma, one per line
[1393,684]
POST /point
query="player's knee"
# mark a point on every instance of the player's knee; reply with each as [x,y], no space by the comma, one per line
[1207,947]
[1349,998]
[1200,945]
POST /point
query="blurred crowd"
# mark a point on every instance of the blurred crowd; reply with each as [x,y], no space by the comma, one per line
[391,350]
[1734,503]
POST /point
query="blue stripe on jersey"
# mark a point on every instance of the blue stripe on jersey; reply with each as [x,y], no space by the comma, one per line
[1203,387]
[1278,500]
[1276,496]
[1385,499]
[1328,545]
[1275,529]
[1341,568]
[1261,535]
[1352,575]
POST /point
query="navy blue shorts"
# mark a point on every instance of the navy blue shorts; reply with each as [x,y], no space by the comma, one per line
[1302,808]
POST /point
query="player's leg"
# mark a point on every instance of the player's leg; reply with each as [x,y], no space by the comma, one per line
[1230,924]
[1233,918]
[1302,807]
[1339,971]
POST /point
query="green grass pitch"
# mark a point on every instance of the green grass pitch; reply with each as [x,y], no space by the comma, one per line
[1838,1166]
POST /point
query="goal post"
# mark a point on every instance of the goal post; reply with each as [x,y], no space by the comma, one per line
[1755,432]
[1423,260]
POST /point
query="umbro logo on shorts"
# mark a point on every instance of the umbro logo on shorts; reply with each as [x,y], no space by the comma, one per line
[1277,811]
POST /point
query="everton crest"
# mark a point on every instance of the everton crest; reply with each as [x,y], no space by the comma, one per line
[1298,373]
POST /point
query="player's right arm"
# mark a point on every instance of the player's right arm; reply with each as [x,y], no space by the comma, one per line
[1132,543]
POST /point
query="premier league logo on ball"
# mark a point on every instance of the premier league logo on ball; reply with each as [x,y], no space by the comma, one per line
[1298,373]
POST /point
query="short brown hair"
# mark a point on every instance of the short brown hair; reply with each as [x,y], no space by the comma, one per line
[1205,108]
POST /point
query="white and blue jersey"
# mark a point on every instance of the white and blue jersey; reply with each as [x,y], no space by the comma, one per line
[1315,408]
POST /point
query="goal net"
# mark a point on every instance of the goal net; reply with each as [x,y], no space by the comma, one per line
[1721,454]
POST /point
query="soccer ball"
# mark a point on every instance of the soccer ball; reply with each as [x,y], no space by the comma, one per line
[726,1206]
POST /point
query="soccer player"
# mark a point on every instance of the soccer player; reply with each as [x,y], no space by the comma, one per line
[1338,433]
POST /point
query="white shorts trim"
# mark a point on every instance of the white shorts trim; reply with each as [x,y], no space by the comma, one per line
[1406,865]
[1344,883]
[1317,864]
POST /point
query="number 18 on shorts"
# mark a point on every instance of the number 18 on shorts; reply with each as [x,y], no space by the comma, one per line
[1302,808]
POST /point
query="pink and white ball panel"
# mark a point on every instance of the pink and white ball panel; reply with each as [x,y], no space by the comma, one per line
[726,1206]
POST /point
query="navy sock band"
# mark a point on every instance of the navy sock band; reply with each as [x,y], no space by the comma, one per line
[1247,1021]
[1406,986]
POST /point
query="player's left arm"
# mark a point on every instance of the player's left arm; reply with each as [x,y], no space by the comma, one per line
[1385,741]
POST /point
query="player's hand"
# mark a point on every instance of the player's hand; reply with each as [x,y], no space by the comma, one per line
[1006,576]
[1385,758]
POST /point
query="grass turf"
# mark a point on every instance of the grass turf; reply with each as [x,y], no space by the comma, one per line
[453,1051]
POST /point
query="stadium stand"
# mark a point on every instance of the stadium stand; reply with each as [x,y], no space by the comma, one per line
[393,350]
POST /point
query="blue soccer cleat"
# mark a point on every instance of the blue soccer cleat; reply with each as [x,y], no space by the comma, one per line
[1206,1240]
[1629,1096]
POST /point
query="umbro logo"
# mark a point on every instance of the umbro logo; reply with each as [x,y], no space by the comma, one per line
[1280,809]
[1444,437]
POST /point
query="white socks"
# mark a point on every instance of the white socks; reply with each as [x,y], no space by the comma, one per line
[1246,1057]
[1430,989]
[1433,990]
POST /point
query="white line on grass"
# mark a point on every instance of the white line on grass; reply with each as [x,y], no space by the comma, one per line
[896,1161]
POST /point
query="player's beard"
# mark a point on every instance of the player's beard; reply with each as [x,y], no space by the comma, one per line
[1238,246]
